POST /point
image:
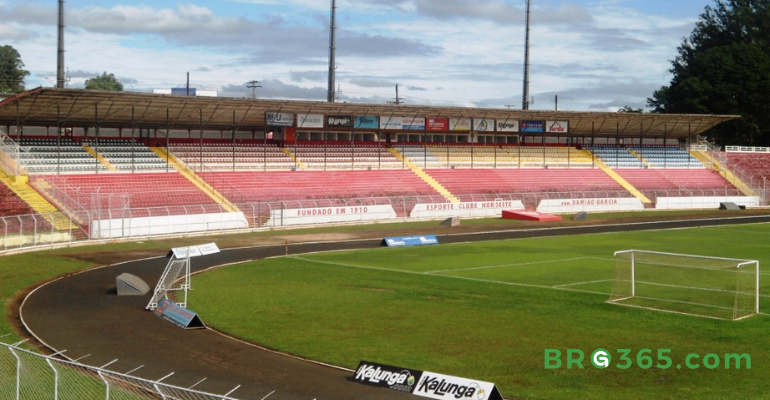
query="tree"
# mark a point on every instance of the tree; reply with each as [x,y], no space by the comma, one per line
[724,68]
[629,109]
[12,72]
[104,81]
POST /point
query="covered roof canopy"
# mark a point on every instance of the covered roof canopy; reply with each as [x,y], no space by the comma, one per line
[71,107]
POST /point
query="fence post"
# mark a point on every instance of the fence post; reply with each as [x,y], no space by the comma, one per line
[18,373]
[55,379]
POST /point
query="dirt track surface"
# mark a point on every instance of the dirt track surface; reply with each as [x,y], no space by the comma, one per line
[82,314]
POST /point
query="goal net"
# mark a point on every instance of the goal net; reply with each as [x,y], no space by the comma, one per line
[711,287]
[173,284]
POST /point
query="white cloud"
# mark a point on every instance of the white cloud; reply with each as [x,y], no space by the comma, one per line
[449,52]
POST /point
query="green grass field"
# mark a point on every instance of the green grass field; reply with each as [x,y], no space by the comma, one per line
[489,310]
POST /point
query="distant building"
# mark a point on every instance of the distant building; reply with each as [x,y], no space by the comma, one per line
[183,92]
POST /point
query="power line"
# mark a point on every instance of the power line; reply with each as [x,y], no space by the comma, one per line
[253,85]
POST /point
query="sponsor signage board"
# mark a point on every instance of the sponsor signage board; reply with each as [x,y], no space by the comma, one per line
[596,204]
[386,376]
[460,124]
[401,241]
[484,125]
[532,126]
[310,121]
[414,124]
[438,124]
[305,216]
[279,119]
[391,122]
[445,387]
[339,121]
[367,123]
[469,209]
[177,315]
[507,126]
[195,251]
[557,126]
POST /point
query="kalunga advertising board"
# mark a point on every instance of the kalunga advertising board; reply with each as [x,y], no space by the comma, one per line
[386,376]
[424,383]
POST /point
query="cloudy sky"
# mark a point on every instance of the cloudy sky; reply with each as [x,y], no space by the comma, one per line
[596,55]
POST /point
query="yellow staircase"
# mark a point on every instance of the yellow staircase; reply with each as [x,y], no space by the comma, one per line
[424,176]
[196,180]
[619,179]
[101,159]
[706,159]
[20,186]
[639,156]
[291,155]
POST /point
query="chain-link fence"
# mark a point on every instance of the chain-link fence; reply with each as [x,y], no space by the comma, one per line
[26,375]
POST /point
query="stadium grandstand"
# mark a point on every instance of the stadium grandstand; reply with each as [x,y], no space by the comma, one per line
[93,164]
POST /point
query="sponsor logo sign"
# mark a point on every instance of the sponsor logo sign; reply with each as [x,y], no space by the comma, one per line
[438,124]
[310,121]
[445,387]
[469,209]
[401,241]
[507,126]
[386,376]
[279,119]
[557,126]
[177,314]
[532,126]
[367,123]
[460,124]
[484,125]
[414,124]
[195,251]
[391,122]
[339,121]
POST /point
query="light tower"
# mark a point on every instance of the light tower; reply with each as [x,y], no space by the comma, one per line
[60,49]
[332,50]
[525,97]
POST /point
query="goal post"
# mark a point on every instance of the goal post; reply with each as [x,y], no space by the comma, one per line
[713,287]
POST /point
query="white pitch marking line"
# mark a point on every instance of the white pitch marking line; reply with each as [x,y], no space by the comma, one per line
[581,283]
[506,265]
[449,276]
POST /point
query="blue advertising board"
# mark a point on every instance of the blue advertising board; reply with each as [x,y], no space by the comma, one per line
[178,315]
[400,241]
[367,123]
[532,126]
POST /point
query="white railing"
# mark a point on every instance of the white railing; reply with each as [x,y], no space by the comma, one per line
[28,375]
[746,149]
[126,222]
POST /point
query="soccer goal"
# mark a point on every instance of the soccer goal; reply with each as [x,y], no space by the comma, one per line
[721,288]
[174,283]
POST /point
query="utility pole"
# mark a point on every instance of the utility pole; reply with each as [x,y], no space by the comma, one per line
[398,99]
[188,84]
[525,97]
[253,85]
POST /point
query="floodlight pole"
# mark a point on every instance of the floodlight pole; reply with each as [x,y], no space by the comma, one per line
[332,52]
[525,97]
[60,49]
